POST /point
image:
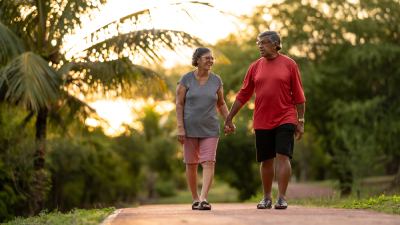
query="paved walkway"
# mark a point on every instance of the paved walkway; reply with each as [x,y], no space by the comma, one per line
[246,213]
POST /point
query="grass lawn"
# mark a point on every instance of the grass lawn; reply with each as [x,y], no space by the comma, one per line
[75,216]
[385,204]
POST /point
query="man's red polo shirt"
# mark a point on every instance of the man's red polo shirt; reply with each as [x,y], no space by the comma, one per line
[278,89]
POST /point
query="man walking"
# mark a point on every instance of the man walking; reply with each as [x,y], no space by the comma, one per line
[279,95]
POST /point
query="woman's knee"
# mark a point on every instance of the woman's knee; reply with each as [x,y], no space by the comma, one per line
[192,165]
[208,164]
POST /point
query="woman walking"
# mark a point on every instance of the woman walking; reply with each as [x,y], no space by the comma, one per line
[198,97]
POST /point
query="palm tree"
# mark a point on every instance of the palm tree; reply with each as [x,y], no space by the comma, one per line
[35,72]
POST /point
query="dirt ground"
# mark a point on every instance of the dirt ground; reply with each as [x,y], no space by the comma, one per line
[246,213]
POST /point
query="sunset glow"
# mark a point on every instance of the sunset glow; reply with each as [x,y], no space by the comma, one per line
[127,112]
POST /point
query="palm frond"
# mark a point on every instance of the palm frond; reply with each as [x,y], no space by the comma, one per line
[10,45]
[147,42]
[69,110]
[30,81]
[117,78]
[132,23]
[66,16]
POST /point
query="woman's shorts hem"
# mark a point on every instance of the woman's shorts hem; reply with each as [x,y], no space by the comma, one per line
[199,150]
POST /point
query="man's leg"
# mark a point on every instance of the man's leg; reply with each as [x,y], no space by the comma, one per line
[265,148]
[267,176]
[283,172]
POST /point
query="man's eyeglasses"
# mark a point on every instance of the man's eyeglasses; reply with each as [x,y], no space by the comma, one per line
[263,43]
[211,59]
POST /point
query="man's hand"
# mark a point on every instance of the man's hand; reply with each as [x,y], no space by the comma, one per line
[181,135]
[299,130]
[229,127]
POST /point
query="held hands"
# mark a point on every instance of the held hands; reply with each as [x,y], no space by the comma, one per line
[229,127]
[299,130]
[181,135]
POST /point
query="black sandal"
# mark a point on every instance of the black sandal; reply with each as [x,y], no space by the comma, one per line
[202,206]
[264,204]
[195,204]
[282,204]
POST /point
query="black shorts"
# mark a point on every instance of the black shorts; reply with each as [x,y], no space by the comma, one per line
[279,140]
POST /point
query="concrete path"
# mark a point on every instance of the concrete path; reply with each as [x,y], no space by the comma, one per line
[246,213]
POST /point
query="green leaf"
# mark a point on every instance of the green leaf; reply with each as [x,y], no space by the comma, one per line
[121,76]
[148,42]
[10,45]
[30,81]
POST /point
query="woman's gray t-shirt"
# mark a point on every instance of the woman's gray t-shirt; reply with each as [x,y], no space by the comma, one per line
[200,116]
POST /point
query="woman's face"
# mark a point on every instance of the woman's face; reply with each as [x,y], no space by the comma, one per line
[206,61]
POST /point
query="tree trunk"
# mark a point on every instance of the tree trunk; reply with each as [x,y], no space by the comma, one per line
[396,182]
[39,177]
[346,181]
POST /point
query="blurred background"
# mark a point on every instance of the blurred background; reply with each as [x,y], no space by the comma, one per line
[87,98]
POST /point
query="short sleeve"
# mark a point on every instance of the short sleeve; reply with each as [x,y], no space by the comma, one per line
[297,87]
[248,88]
[219,82]
[184,81]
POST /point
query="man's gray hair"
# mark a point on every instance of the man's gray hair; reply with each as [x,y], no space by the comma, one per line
[273,38]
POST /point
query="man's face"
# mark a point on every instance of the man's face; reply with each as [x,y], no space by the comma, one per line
[266,48]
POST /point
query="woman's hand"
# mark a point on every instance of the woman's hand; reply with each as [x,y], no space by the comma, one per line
[181,135]
[229,127]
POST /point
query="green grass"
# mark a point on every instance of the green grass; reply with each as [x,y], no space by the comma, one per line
[220,192]
[385,204]
[75,216]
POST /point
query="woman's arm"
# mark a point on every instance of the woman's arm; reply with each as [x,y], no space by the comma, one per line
[180,102]
[221,106]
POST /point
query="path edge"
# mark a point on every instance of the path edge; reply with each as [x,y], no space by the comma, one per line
[108,220]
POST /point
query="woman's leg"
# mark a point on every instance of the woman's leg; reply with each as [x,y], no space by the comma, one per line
[208,150]
[208,175]
[191,176]
[191,153]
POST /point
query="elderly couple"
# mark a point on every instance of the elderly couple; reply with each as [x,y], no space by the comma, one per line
[278,117]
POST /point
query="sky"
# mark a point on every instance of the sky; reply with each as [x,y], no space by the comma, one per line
[211,26]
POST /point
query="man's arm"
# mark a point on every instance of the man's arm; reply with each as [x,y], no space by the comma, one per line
[301,107]
[229,127]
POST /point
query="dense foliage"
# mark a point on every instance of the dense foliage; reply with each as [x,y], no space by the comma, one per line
[89,168]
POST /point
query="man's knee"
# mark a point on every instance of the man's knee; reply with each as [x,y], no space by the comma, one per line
[268,162]
[281,157]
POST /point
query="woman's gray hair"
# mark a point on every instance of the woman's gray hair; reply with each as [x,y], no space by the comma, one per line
[273,38]
[200,51]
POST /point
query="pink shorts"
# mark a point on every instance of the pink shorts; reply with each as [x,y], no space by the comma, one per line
[199,150]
